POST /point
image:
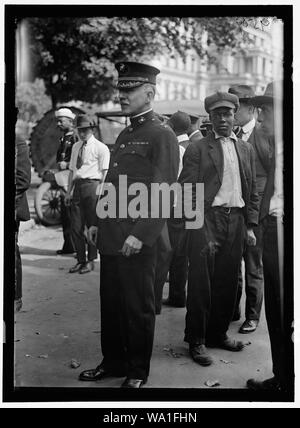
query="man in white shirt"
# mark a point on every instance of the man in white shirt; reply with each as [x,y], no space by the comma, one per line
[88,165]
[254,279]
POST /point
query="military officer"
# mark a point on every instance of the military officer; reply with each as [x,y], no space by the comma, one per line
[145,152]
[65,121]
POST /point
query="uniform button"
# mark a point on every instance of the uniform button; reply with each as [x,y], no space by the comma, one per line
[115,164]
[130,129]
[122,146]
[133,151]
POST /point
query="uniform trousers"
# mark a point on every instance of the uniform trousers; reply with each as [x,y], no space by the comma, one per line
[254,279]
[83,210]
[273,301]
[127,306]
[213,278]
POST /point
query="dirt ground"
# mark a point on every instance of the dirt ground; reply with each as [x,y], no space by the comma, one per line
[59,325]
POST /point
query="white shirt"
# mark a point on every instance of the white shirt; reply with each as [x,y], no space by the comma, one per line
[230,192]
[247,130]
[277,200]
[95,159]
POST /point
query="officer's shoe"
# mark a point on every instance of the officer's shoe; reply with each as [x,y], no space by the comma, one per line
[200,355]
[271,384]
[249,326]
[87,267]
[133,383]
[76,268]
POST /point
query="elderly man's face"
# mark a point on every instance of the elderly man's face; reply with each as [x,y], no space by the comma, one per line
[133,101]
[266,119]
[64,123]
[222,120]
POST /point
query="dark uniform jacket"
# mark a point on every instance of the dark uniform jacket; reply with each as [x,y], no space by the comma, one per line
[65,147]
[203,163]
[22,180]
[146,152]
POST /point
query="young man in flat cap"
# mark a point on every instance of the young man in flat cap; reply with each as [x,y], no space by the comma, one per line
[271,219]
[145,152]
[226,167]
[88,165]
[65,121]
[254,278]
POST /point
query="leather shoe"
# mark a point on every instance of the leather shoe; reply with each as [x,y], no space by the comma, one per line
[98,373]
[76,268]
[200,355]
[87,267]
[132,383]
[168,302]
[248,326]
[271,384]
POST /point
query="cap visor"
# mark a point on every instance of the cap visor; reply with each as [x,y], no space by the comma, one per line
[222,103]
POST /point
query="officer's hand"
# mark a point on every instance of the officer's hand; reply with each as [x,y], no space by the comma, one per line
[132,245]
[251,238]
[92,235]
[68,199]
[62,165]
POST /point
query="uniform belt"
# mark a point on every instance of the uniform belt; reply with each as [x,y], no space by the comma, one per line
[227,210]
[86,179]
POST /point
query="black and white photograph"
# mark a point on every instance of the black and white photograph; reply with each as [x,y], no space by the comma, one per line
[148,238]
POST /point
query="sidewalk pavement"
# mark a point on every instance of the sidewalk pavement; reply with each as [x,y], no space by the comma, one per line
[57,332]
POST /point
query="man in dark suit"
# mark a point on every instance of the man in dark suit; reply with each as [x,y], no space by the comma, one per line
[23,177]
[145,153]
[65,122]
[271,219]
[226,167]
[254,278]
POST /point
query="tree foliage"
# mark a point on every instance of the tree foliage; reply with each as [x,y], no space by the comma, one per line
[76,56]
[32,101]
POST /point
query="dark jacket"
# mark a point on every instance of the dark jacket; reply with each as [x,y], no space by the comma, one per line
[22,180]
[65,147]
[263,155]
[146,152]
[196,137]
[203,163]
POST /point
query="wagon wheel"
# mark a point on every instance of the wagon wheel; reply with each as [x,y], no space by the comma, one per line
[47,204]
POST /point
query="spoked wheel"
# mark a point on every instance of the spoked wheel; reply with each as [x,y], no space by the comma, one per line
[48,204]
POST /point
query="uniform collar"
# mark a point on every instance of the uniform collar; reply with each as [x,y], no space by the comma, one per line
[69,133]
[141,118]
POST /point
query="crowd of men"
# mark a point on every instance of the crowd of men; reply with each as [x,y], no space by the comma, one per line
[237,161]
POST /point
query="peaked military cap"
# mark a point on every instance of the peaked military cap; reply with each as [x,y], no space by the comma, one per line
[221,99]
[84,122]
[243,92]
[134,74]
[273,91]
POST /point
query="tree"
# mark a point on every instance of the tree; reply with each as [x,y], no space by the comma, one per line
[32,101]
[75,56]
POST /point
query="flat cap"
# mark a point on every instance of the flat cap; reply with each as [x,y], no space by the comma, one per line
[134,74]
[273,91]
[221,99]
[243,92]
[83,121]
[65,112]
